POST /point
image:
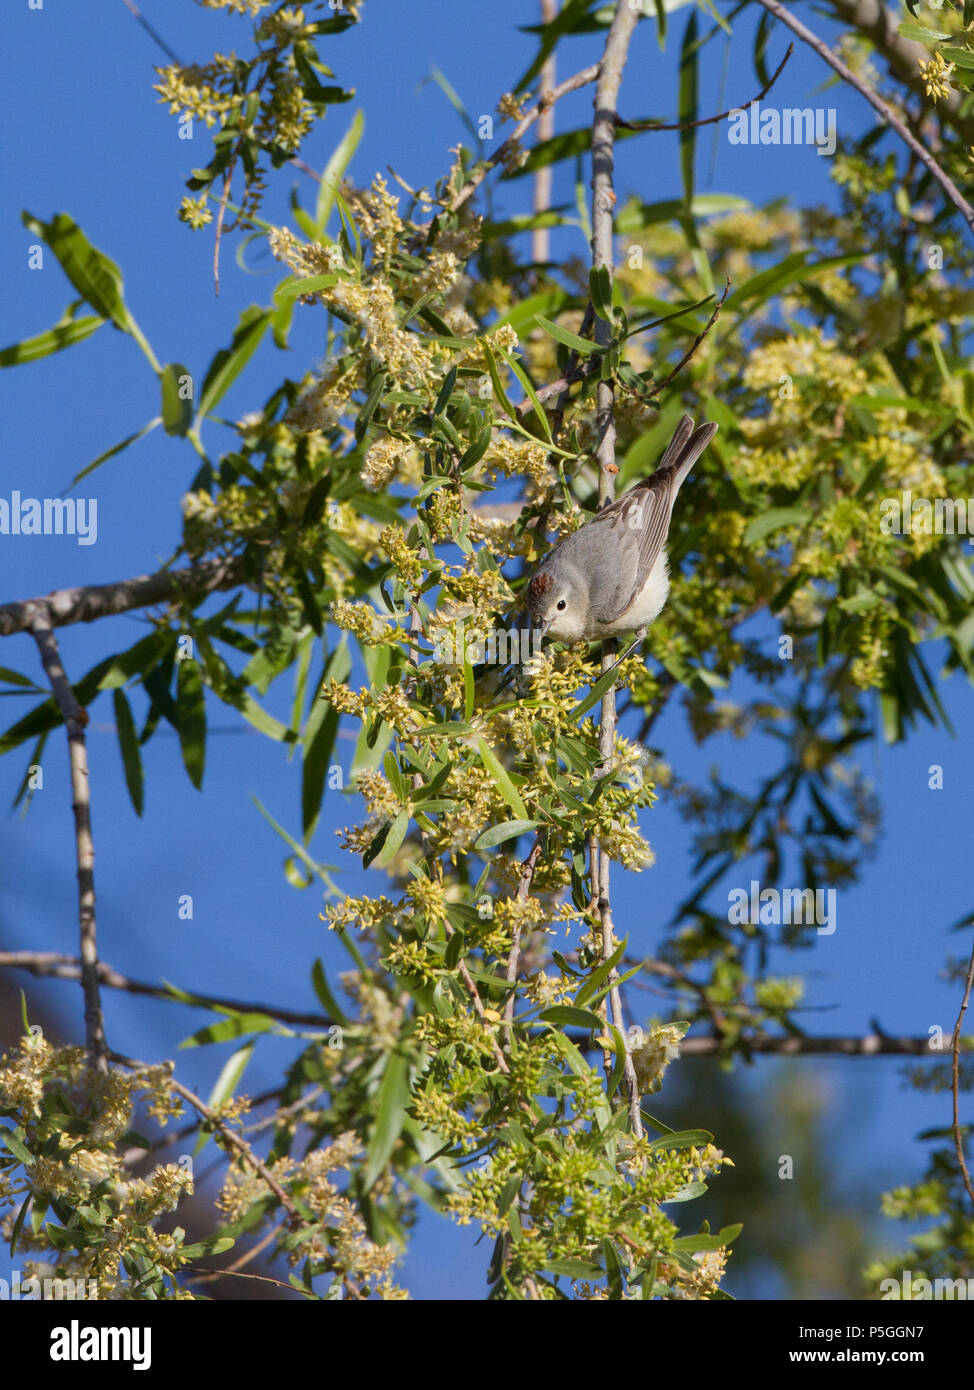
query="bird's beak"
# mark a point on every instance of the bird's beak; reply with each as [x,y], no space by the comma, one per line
[542,627]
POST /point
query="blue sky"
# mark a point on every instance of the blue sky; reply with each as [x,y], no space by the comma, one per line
[85,134]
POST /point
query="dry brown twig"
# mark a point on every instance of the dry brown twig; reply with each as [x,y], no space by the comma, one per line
[546,99]
[708,120]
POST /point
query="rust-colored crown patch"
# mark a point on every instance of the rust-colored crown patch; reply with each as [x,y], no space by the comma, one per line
[540,585]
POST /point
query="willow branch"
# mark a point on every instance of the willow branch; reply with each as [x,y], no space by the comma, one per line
[62,607]
[51,965]
[877,103]
[881,26]
[955,1078]
[76,719]
[570,84]
[603,206]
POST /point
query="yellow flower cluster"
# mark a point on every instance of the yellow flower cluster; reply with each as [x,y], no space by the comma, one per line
[936,74]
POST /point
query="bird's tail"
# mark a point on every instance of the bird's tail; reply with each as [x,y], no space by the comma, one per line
[685,448]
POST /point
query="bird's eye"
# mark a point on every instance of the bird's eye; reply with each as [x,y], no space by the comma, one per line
[561,604]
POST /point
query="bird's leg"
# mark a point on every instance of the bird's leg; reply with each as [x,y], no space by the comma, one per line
[637,639]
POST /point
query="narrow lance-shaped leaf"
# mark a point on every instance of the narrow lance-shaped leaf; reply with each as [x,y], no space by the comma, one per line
[391,1103]
[89,270]
[191,712]
[61,336]
[128,741]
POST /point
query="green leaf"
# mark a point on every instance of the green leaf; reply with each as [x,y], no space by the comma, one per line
[501,780]
[334,170]
[61,336]
[229,1078]
[325,996]
[532,395]
[565,21]
[499,391]
[963,57]
[93,275]
[562,335]
[320,733]
[522,316]
[230,362]
[509,830]
[115,449]
[191,714]
[177,407]
[595,694]
[211,1245]
[16,1146]
[613,1269]
[391,1103]
[688,105]
[395,834]
[15,678]
[128,741]
[777,519]
[600,288]
[683,1139]
[619,1066]
[919,33]
[575,1269]
[569,1016]
[295,286]
[233,1027]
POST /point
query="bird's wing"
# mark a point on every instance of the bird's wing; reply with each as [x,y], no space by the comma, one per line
[640,518]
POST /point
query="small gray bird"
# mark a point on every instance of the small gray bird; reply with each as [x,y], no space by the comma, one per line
[610,576]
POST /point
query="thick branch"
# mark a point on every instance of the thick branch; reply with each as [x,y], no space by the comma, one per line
[76,719]
[52,965]
[880,24]
[906,135]
[603,206]
[85,604]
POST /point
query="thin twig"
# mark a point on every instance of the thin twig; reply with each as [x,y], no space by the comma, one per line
[660,386]
[258,1249]
[603,205]
[479,1009]
[53,965]
[570,84]
[708,120]
[955,1078]
[877,103]
[230,1135]
[221,214]
[76,719]
[869,1045]
[133,9]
